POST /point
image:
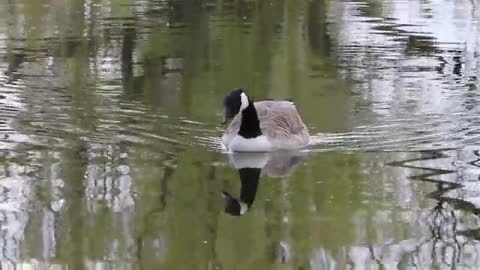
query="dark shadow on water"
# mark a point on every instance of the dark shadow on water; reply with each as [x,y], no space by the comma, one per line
[372,9]
[420,45]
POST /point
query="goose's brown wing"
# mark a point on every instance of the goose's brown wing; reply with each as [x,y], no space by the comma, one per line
[279,119]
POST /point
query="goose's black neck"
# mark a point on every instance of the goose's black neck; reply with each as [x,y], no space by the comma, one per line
[250,125]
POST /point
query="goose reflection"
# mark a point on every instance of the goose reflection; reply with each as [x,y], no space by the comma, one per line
[250,167]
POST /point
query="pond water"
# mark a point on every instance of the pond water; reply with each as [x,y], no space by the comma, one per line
[109,134]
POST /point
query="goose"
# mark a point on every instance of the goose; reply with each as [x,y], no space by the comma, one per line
[262,126]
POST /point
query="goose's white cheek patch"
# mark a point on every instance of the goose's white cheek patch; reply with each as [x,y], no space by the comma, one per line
[243,102]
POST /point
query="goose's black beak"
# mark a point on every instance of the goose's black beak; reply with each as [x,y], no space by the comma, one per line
[225,118]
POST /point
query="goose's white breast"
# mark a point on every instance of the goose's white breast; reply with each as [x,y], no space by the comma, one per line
[257,144]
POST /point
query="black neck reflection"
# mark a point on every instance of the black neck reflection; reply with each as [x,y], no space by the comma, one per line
[250,166]
[249,178]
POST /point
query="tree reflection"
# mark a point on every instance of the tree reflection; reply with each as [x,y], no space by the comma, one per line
[108,116]
[448,239]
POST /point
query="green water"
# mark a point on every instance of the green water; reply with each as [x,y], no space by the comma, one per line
[109,134]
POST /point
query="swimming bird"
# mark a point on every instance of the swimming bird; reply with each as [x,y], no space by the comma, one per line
[262,126]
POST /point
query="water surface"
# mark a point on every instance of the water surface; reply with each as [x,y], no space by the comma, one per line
[109,135]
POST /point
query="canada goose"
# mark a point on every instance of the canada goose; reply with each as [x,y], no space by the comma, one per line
[262,126]
[250,166]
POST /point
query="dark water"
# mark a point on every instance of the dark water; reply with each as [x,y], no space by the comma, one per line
[109,135]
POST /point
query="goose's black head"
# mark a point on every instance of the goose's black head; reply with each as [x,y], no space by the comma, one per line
[234,102]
